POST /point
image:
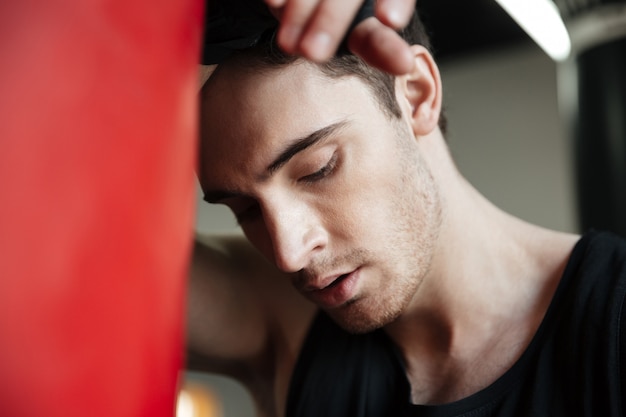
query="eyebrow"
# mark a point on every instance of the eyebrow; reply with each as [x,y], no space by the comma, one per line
[291,150]
[303,143]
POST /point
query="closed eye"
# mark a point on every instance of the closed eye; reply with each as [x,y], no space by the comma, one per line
[325,171]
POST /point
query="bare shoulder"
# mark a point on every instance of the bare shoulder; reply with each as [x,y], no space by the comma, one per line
[242,311]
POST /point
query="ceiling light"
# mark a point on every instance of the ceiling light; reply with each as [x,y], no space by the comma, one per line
[541,20]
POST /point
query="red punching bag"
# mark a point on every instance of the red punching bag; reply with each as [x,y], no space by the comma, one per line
[97,150]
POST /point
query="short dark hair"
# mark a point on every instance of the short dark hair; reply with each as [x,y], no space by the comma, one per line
[266,54]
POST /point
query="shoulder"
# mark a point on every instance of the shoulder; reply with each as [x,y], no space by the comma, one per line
[600,257]
[591,331]
[593,287]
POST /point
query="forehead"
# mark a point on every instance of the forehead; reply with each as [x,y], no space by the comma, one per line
[275,99]
[247,115]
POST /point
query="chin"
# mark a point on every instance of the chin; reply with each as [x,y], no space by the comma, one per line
[357,319]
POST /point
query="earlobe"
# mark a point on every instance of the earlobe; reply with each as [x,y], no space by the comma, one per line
[420,91]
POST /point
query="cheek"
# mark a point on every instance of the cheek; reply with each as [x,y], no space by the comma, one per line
[361,215]
[363,204]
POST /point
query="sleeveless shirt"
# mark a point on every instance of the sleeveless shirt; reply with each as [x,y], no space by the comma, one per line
[570,368]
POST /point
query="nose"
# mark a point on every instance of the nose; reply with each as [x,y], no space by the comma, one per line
[296,234]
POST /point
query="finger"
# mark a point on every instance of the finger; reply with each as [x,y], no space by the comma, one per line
[395,13]
[277,12]
[327,28]
[381,47]
[275,3]
[295,17]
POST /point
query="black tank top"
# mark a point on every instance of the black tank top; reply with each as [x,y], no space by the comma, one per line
[571,367]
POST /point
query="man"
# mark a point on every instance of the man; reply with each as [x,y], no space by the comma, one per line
[393,287]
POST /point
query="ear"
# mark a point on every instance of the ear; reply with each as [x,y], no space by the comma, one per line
[419,92]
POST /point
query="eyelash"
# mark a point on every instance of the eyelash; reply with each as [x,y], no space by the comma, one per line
[253,211]
[325,171]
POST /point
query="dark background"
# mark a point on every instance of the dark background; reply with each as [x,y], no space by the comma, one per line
[458,28]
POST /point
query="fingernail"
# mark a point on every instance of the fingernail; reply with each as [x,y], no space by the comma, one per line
[397,13]
[319,46]
[395,17]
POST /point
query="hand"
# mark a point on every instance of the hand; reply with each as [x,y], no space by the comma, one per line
[315,28]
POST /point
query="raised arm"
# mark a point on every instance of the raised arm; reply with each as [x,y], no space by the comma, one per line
[239,306]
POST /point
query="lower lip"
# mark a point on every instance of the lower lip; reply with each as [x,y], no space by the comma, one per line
[338,293]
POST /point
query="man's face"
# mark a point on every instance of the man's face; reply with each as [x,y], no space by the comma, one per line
[325,185]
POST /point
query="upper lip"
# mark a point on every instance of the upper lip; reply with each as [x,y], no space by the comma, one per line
[319,283]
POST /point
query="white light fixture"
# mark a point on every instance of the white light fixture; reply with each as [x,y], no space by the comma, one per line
[541,20]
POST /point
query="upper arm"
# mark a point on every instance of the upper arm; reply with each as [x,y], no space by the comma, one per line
[232,305]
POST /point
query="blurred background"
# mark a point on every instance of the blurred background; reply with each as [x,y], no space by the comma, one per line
[542,136]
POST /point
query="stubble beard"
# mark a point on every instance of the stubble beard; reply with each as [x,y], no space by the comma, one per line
[412,243]
[364,315]
[417,208]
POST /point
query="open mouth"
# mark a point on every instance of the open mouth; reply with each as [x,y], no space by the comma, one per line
[338,292]
[337,281]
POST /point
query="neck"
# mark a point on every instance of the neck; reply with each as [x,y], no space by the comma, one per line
[490,282]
